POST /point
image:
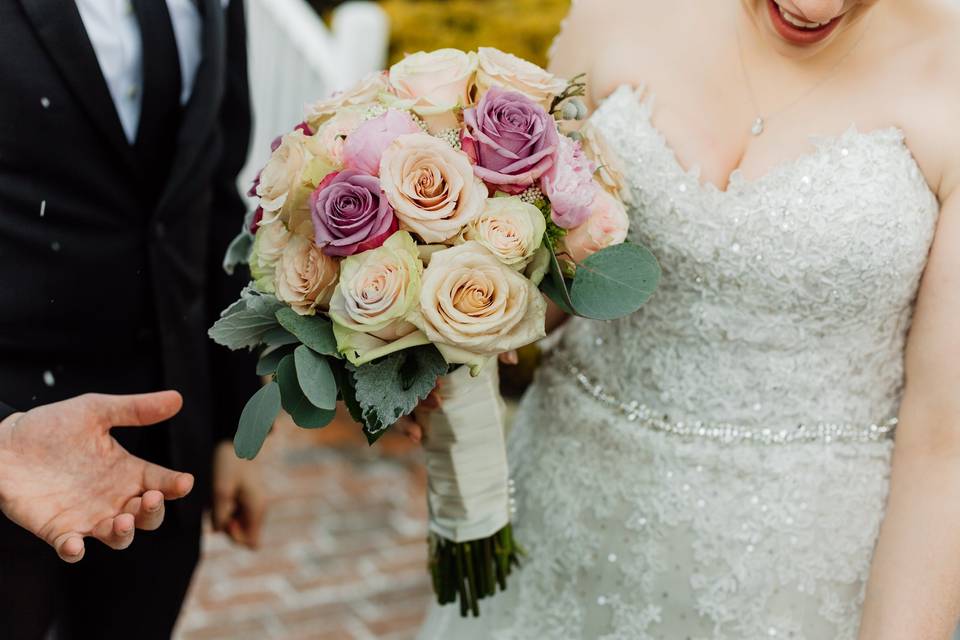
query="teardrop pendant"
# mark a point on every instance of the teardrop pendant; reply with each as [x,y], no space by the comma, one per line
[757,127]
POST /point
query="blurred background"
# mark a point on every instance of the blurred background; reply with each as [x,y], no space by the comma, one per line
[344,550]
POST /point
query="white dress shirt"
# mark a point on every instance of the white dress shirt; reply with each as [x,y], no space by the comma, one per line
[115,34]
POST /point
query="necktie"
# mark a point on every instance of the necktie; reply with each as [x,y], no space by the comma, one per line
[156,142]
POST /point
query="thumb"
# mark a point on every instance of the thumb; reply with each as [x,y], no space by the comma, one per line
[137,410]
[69,546]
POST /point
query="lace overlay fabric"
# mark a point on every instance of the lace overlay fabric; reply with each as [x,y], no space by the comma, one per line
[784,300]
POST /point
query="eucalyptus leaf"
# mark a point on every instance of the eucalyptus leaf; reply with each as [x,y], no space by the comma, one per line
[614,282]
[270,360]
[303,412]
[244,323]
[256,419]
[316,378]
[313,331]
[392,387]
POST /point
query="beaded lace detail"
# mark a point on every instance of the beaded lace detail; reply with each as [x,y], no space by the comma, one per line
[785,300]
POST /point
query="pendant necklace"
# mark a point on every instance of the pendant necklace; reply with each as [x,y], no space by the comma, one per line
[761,120]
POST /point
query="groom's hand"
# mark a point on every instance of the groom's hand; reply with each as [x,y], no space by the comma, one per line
[64,477]
[239,503]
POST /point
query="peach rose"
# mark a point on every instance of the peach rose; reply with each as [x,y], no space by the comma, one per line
[498,69]
[282,175]
[368,90]
[610,167]
[607,225]
[435,83]
[511,229]
[472,306]
[431,187]
[305,277]
[331,137]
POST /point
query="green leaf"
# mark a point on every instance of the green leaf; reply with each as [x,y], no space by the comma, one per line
[348,392]
[238,252]
[244,323]
[614,282]
[316,378]
[270,360]
[555,286]
[313,331]
[392,387]
[278,337]
[256,419]
[303,412]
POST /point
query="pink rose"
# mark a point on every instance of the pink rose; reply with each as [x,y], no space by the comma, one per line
[606,226]
[569,185]
[511,139]
[365,146]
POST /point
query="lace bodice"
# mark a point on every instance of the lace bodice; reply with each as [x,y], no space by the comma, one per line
[784,299]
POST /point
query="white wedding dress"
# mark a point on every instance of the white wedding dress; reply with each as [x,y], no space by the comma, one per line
[716,466]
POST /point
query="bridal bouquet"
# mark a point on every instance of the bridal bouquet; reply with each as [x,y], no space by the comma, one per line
[405,233]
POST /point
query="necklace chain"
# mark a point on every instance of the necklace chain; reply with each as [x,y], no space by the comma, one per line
[761,120]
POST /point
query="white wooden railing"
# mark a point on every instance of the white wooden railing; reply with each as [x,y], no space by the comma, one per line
[294,59]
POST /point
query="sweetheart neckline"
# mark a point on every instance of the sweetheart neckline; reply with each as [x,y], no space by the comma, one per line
[736,181]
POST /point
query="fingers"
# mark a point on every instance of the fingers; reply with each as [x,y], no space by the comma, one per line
[432,402]
[148,510]
[246,524]
[224,507]
[69,547]
[172,484]
[510,357]
[411,429]
[117,532]
[136,410]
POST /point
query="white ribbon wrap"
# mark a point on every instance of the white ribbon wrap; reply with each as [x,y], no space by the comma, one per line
[467,458]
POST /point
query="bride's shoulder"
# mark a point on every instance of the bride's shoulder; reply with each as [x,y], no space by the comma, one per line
[595,31]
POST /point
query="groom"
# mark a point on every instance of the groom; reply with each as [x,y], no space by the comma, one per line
[123,126]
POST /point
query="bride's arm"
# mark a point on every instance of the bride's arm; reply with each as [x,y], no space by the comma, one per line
[914,586]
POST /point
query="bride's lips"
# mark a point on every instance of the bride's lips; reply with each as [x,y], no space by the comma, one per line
[795,34]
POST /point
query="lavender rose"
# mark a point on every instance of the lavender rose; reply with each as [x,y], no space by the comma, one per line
[350,214]
[511,139]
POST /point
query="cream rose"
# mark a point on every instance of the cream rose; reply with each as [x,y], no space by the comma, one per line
[472,306]
[511,229]
[435,83]
[378,291]
[268,246]
[610,168]
[305,277]
[496,68]
[607,225]
[367,91]
[431,187]
[282,175]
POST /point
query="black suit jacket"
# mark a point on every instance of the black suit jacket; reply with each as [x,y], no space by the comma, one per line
[103,288]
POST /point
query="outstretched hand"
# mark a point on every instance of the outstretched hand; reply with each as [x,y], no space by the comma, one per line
[63,476]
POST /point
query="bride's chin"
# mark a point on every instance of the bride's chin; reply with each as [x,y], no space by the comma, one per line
[758,13]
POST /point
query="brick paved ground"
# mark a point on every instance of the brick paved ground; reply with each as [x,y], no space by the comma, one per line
[344,547]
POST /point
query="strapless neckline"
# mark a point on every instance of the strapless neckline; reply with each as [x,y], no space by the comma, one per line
[737,182]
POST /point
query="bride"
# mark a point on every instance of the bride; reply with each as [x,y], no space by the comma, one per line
[722,464]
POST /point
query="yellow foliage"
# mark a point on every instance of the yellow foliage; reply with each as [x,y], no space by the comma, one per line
[523,27]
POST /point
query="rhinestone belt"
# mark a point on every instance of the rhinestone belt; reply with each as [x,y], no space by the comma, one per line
[727,433]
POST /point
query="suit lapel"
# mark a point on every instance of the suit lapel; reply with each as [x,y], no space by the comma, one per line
[59,26]
[202,110]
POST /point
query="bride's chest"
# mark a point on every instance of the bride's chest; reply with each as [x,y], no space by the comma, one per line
[848,225]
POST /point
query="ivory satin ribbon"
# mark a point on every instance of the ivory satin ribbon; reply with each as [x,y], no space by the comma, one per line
[467,457]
